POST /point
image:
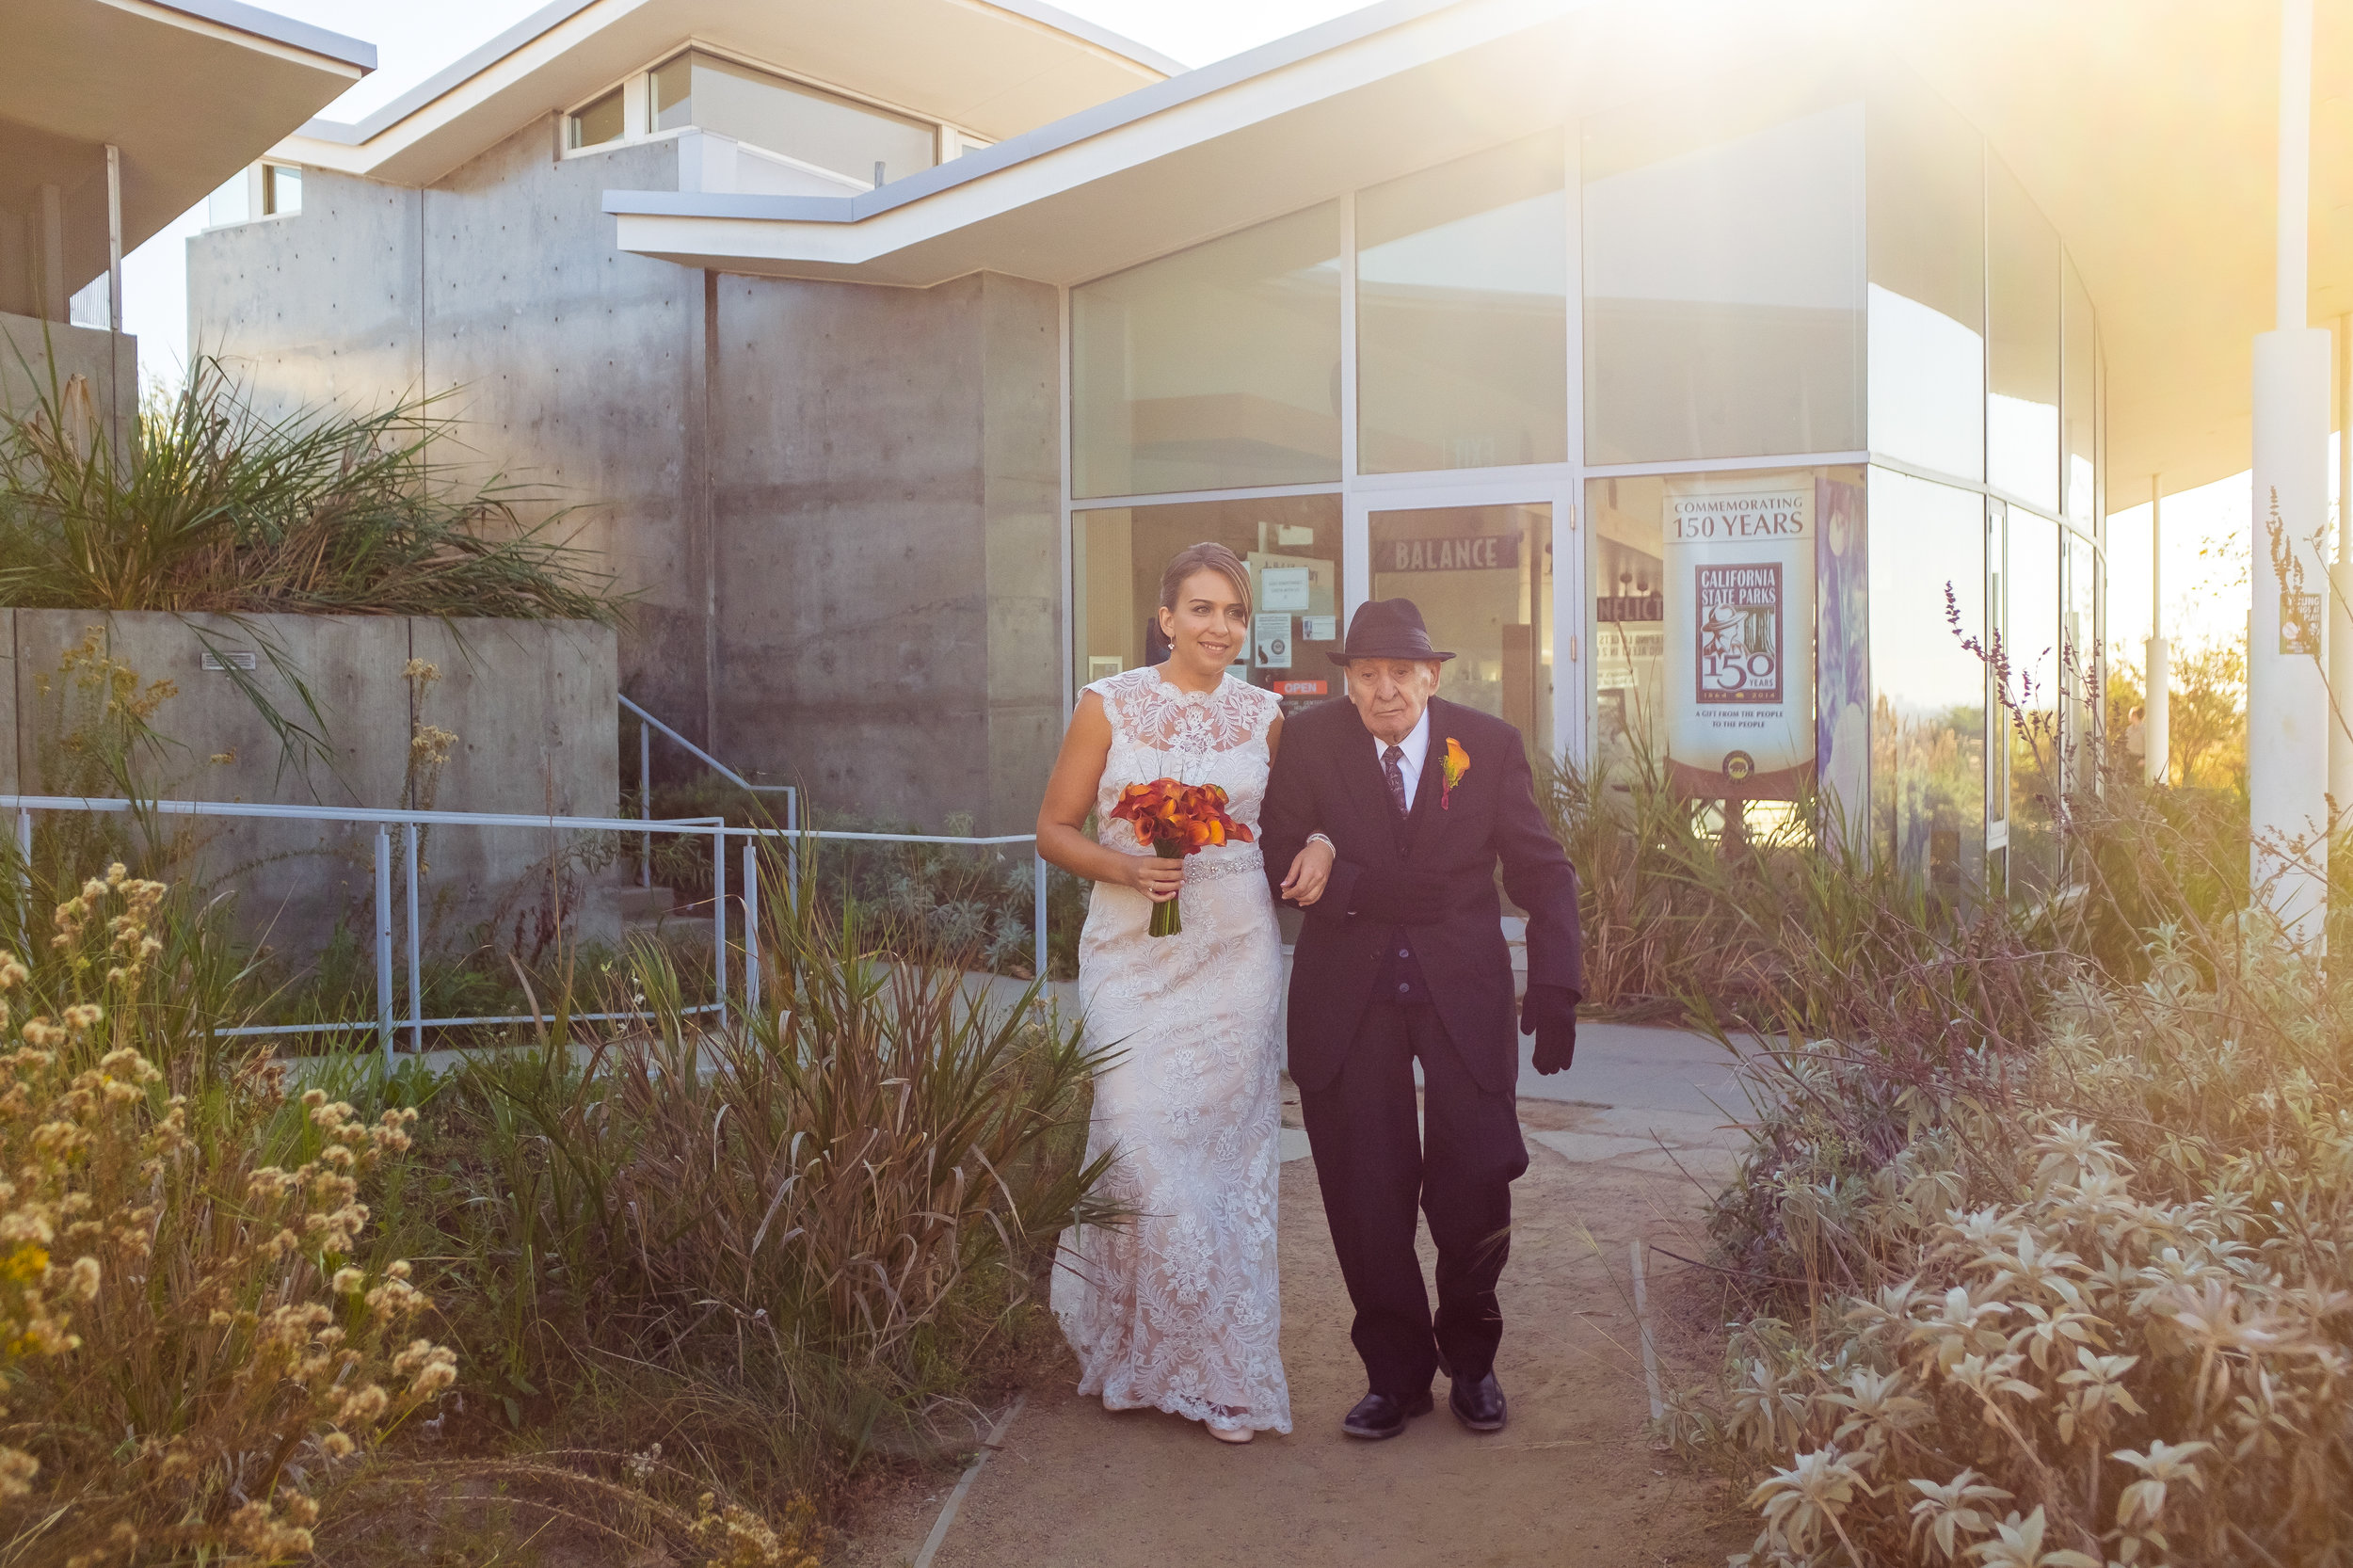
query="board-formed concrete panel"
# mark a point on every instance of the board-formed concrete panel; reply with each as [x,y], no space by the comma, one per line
[9,770]
[532,704]
[210,686]
[528,709]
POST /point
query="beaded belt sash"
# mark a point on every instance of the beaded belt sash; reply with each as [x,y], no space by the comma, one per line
[1245,861]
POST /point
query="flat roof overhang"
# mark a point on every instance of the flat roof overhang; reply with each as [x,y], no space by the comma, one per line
[2147,133]
[190,92]
[996,69]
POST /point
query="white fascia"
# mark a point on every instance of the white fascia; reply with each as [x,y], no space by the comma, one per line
[829,235]
[532,43]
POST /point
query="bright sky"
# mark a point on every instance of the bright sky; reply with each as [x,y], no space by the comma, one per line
[2205,553]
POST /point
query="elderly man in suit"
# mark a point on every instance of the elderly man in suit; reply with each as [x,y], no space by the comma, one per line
[1401,960]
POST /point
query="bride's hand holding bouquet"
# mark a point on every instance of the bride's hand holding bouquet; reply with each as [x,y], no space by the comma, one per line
[1176,820]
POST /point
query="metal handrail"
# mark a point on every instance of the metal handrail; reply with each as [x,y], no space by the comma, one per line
[716,766]
[647,725]
[411,822]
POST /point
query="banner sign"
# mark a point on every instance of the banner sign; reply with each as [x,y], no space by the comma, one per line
[1740,633]
[1483,552]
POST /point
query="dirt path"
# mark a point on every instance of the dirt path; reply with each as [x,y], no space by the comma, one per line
[1570,1483]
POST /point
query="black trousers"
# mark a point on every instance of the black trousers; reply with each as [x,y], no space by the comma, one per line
[1377,1168]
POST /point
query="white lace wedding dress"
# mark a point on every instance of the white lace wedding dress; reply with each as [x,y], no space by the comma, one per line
[1178,1308]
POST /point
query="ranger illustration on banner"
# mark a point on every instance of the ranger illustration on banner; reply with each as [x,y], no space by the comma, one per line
[1739,635]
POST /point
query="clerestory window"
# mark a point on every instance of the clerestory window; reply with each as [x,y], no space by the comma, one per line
[777,116]
[696,90]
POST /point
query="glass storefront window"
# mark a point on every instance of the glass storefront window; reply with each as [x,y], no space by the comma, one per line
[2031,644]
[1928,704]
[1214,368]
[2079,663]
[1461,313]
[1292,546]
[2021,413]
[1723,279]
[1706,593]
[777,116]
[1482,578]
[2079,352]
[1926,309]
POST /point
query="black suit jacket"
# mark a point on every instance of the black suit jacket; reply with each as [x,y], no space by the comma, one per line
[1327,778]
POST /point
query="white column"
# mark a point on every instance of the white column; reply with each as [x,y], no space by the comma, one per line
[2155,714]
[114,299]
[114,238]
[2287,698]
[2341,594]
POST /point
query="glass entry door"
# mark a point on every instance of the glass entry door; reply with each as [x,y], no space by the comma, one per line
[1480,570]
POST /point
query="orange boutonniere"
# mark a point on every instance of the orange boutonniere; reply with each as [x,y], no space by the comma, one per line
[1450,770]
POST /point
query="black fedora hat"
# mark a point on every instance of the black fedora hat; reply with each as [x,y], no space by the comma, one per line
[1388,628]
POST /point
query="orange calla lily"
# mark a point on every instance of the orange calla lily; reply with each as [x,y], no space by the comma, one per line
[1176,819]
[1450,770]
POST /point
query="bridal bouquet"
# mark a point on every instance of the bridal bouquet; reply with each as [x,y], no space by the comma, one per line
[1176,819]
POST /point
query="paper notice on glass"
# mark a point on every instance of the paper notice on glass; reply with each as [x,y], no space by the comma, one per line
[1284,589]
[1273,633]
[1740,633]
[1319,629]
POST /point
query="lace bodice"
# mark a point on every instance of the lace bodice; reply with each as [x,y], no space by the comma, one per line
[1164,731]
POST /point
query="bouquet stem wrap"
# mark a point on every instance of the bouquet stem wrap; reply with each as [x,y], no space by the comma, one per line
[1169,918]
[1176,819]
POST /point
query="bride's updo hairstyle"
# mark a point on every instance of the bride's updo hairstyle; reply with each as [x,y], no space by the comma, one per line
[1207,557]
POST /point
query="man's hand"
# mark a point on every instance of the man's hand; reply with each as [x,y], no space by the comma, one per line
[1311,868]
[1550,1015]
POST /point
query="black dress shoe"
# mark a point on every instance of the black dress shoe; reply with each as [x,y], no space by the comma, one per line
[1378,1415]
[1478,1405]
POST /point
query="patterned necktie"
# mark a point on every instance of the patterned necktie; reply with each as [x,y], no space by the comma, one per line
[1389,761]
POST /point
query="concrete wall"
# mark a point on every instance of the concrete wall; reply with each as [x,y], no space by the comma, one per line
[108,361]
[885,535]
[530,702]
[836,504]
[577,370]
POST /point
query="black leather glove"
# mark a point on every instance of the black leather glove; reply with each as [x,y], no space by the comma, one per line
[1404,897]
[1550,1015]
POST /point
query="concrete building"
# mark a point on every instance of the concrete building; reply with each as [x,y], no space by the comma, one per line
[119,119]
[840,505]
[1701,368]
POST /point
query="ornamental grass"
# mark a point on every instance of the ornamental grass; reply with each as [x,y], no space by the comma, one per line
[217,507]
[840,1209]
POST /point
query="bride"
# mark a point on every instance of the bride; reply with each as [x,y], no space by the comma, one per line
[1177,1308]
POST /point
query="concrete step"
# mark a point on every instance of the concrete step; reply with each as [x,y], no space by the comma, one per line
[641,906]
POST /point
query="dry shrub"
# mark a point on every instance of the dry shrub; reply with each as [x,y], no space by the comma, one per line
[635,1506]
[191,1339]
[2089,1303]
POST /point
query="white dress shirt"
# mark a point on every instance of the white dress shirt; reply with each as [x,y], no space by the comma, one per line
[1416,747]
